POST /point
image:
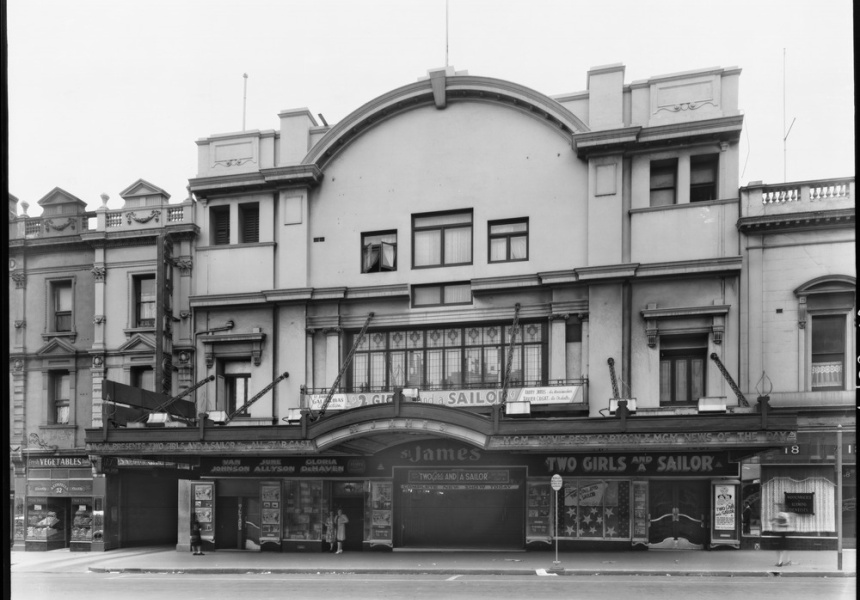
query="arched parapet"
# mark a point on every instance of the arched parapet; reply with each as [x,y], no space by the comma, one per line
[441,90]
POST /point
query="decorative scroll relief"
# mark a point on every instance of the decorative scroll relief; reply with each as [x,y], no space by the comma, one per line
[683,96]
[233,154]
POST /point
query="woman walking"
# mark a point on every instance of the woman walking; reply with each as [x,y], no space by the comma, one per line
[341,520]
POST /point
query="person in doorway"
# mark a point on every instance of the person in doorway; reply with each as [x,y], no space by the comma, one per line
[781,525]
[330,531]
[196,539]
[340,521]
[747,517]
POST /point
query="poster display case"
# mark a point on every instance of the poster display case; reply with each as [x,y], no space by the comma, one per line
[203,497]
[270,517]
[303,510]
[539,516]
[378,515]
[640,512]
[725,514]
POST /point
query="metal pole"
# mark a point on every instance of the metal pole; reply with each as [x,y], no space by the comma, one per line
[555,523]
[839,497]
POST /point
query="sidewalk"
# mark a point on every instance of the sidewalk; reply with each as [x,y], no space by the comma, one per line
[730,563]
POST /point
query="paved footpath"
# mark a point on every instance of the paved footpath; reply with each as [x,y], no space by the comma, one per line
[723,562]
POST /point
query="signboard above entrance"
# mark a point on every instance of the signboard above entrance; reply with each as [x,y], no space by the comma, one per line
[569,394]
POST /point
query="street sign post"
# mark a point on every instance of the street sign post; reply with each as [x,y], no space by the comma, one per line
[556,482]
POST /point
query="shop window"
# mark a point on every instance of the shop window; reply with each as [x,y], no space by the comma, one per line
[509,240]
[595,509]
[379,252]
[61,305]
[703,177]
[443,294]
[144,298]
[664,177]
[60,393]
[249,223]
[683,364]
[441,239]
[220,225]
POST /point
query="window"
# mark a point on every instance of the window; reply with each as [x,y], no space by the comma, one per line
[379,251]
[144,297]
[60,392]
[236,385]
[220,224]
[509,240]
[703,177]
[442,239]
[664,175]
[828,352]
[61,297]
[458,357]
[436,295]
[249,223]
[682,369]
[143,378]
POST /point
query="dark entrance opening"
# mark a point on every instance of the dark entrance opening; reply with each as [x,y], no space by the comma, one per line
[679,511]
[349,497]
[237,523]
[457,516]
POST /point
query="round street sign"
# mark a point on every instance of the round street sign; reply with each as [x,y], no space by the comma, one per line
[555,482]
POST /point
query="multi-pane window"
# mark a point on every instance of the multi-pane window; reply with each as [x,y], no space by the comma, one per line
[703,177]
[509,240]
[60,391]
[457,357]
[828,352]
[379,251]
[237,392]
[440,239]
[436,295]
[61,298]
[682,374]
[220,225]
[249,223]
[664,176]
[144,297]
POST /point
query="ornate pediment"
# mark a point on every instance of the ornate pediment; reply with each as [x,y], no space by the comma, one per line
[60,202]
[57,347]
[142,192]
[138,343]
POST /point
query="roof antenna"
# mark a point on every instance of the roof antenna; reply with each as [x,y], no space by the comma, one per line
[446,34]
[784,139]
[244,100]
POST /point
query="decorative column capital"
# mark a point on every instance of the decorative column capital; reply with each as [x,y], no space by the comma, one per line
[20,324]
[185,265]
[20,279]
[561,317]
[99,319]
[99,272]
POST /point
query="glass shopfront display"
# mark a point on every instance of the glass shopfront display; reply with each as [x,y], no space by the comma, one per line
[46,522]
[378,517]
[82,521]
[539,519]
[303,510]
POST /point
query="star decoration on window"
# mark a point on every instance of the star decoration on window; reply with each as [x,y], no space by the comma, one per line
[608,512]
[593,530]
[586,518]
[570,530]
[599,519]
[610,531]
[594,510]
[571,512]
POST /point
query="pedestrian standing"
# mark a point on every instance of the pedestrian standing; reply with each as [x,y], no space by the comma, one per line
[781,525]
[341,520]
[196,539]
[330,531]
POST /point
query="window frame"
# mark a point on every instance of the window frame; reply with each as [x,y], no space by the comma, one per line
[441,229]
[673,355]
[442,287]
[379,268]
[507,236]
[699,161]
[231,388]
[56,402]
[137,290]
[136,375]
[814,316]
[51,313]
[217,232]
[664,165]
[246,209]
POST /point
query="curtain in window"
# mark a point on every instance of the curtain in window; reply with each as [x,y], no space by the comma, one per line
[824,519]
[61,399]
[371,257]
[428,248]
[458,245]
[519,248]
[455,294]
[498,248]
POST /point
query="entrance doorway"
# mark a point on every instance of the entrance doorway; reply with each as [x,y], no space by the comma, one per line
[349,497]
[679,514]
[237,523]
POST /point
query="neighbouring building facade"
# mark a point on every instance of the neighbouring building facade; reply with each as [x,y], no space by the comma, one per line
[420,315]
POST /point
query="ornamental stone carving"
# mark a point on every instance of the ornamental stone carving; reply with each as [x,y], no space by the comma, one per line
[185,265]
[131,216]
[20,324]
[49,224]
[99,319]
[99,273]
[20,279]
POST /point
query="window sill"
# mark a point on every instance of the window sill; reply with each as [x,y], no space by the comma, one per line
[234,246]
[47,335]
[698,204]
[131,331]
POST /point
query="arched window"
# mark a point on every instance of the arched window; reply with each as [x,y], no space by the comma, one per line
[825,309]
